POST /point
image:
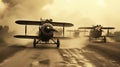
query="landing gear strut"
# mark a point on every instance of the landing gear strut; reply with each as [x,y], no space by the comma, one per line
[58,43]
[34,43]
[104,39]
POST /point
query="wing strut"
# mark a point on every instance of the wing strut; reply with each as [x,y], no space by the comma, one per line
[25,29]
[108,32]
[39,29]
[63,30]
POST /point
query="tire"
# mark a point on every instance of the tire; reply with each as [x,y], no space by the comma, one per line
[104,39]
[34,43]
[58,43]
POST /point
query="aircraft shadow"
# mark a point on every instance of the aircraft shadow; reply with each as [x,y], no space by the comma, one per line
[17,46]
[41,47]
[97,42]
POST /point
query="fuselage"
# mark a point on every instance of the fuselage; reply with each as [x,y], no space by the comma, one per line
[96,32]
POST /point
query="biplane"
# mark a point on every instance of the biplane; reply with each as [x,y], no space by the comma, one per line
[46,31]
[96,32]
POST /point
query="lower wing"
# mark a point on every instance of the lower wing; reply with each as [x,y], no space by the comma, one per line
[37,37]
[27,37]
[62,37]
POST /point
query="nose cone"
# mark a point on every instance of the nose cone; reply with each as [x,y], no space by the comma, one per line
[48,27]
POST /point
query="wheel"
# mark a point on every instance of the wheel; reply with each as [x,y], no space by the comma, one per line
[34,43]
[58,43]
[104,39]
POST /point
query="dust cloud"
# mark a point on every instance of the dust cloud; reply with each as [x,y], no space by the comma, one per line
[79,42]
[86,12]
[5,36]
[12,10]
[78,12]
[16,9]
[110,40]
[116,36]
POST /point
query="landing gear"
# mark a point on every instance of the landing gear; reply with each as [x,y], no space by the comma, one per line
[58,43]
[34,43]
[104,39]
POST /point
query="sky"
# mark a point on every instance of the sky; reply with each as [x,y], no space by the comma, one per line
[78,12]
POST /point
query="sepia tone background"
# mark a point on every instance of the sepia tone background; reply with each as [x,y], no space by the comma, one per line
[77,51]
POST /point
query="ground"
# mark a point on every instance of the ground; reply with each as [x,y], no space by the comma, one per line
[92,55]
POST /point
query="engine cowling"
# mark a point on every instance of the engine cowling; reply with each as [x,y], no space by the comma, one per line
[47,29]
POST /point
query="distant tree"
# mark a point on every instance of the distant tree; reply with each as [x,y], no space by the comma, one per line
[5,35]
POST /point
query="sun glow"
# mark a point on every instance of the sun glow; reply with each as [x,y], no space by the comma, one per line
[101,2]
[71,10]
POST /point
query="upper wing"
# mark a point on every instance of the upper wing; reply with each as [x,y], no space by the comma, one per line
[26,22]
[62,24]
[85,28]
[26,36]
[108,28]
[93,27]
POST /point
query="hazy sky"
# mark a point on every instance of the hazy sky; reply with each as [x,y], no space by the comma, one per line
[78,12]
